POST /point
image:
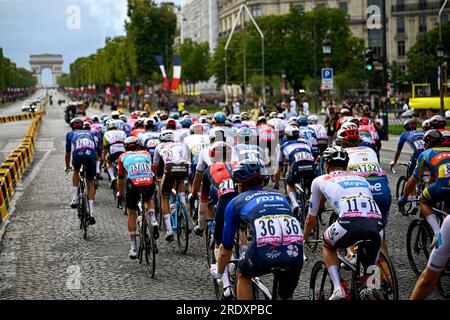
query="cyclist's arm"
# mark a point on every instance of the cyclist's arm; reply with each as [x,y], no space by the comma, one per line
[121,172]
[68,150]
[400,144]
[416,176]
[314,205]
[231,221]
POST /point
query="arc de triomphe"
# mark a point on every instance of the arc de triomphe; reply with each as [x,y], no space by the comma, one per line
[54,62]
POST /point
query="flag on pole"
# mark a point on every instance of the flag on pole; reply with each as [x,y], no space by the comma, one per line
[176,72]
[159,59]
[128,87]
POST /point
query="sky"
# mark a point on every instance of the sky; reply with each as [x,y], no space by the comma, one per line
[73,28]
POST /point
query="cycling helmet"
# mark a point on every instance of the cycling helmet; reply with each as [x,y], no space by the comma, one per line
[149,123]
[76,123]
[303,121]
[433,138]
[348,135]
[123,118]
[410,124]
[220,152]
[272,115]
[163,116]
[281,116]
[139,124]
[245,133]
[115,115]
[345,111]
[110,124]
[438,122]
[166,136]
[349,125]
[104,117]
[313,119]
[351,119]
[196,128]
[248,171]
[203,112]
[447,114]
[88,120]
[131,144]
[186,122]
[144,114]
[216,134]
[336,156]
[134,115]
[202,120]
[292,131]
[184,113]
[95,119]
[220,117]
[236,118]
[171,122]
[245,116]
[175,116]
[426,125]
[119,125]
[86,125]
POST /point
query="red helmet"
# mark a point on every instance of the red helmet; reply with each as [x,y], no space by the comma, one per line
[220,151]
[348,134]
[364,121]
[433,138]
[410,125]
[134,115]
[171,122]
[88,120]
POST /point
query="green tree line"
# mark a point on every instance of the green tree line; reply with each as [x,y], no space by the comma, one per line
[13,77]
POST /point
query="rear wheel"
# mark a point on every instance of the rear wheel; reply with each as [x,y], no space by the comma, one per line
[389,283]
[150,250]
[182,228]
[85,218]
[418,241]
[320,285]
[407,208]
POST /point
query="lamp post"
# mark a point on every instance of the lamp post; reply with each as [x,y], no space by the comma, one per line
[283,76]
[326,49]
[442,70]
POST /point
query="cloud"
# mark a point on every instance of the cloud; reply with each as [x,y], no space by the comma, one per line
[110,14]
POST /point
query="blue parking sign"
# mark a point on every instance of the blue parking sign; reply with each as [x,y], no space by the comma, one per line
[327,73]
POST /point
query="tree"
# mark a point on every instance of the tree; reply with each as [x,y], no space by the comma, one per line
[195,59]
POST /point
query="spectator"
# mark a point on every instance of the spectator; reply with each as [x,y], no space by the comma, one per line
[306,107]
[293,112]
[330,123]
[236,106]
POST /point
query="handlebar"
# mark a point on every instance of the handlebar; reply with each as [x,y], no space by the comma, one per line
[67,173]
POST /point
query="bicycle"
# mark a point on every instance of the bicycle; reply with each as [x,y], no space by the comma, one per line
[302,198]
[119,201]
[321,286]
[400,187]
[82,204]
[180,220]
[418,240]
[147,243]
[210,255]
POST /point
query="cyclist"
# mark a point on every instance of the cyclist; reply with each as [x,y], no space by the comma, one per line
[133,119]
[149,139]
[414,138]
[135,174]
[345,114]
[137,128]
[321,132]
[184,132]
[350,197]
[266,134]
[162,121]
[96,129]
[437,161]
[127,126]
[81,147]
[309,134]
[115,115]
[170,162]
[237,122]
[247,148]
[437,262]
[113,146]
[195,143]
[277,236]
[365,124]
[301,161]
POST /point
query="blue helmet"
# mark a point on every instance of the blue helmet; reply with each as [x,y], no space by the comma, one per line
[303,121]
[175,116]
[249,170]
[220,117]
[186,122]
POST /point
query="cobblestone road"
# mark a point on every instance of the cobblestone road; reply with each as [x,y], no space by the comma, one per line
[43,245]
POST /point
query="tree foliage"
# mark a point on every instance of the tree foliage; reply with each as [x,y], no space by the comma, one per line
[13,77]
[195,59]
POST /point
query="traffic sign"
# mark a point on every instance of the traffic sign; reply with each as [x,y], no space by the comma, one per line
[327,78]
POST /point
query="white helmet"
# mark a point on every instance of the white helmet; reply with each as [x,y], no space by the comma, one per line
[281,116]
[235,117]
[110,124]
[115,115]
[166,136]
[313,119]
[291,131]
[349,125]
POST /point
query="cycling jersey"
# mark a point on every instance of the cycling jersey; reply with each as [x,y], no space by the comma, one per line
[440,255]
[295,151]
[113,141]
[181,134]
[137,166]
[371,129]
[321,132]
[277,236]
[81,144]
[195,144]
[135,132]
[250,152]
[265,132]
[414,139]
[170,152]
[239,125]
[310,135]
[150,140]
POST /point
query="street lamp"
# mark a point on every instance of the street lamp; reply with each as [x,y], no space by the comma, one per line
[440,51]
[442,73]
[326,48]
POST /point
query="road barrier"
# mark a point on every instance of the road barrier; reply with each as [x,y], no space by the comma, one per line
[12,169]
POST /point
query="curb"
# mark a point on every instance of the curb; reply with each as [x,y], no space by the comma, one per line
[12,170]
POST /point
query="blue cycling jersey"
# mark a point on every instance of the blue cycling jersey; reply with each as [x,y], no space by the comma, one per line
[295,151]
[414,139]
[81,142]
[437,160]
[269,215]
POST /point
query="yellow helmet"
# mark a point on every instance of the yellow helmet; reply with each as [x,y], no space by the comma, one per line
[203,112]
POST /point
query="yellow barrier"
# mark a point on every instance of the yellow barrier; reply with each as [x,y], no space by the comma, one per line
[15,165]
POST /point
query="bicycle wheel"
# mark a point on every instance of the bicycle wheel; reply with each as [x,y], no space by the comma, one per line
[150,250]
[315,233]
[141,245]
[182,228]
[209,245]
[389,282]
[407,208]
[85,217]
[444,283]
[260,291]
[418,241]
[320,285]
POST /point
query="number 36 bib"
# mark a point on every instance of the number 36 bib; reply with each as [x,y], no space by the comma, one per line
[277,230]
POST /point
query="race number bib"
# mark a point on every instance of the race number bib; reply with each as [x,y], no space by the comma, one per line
[226,186]
[277,230]
[152,143]
[369,167]
[444,170]
[359,206]
[303,156]
[419,144]
[84,143]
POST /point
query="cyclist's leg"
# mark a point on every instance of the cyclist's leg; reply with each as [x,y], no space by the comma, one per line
[89,162]
[288,280]
[167,184]
[291,179]
[76,164]
[434,193]
[148,194]
[132,199]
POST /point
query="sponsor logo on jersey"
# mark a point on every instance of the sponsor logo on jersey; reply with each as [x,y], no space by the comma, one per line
[353,184]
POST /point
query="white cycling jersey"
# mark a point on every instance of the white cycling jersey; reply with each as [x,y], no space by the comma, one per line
[171,152]
[347,193]
[181,134]
[321,132]
[195,144]
[440,255]
[364,161]
[114,140]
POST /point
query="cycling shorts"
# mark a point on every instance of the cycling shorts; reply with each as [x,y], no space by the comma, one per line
[347,231]
[436,192]
[134,194]
[301,170]
[113,157]
[192,171]
[440,255]
[256,262]
[381,194]
[219,217]
[172,173]
[89,161]
[412,166]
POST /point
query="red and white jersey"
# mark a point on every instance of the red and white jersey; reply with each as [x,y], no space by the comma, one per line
[373,131]
[347,193]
